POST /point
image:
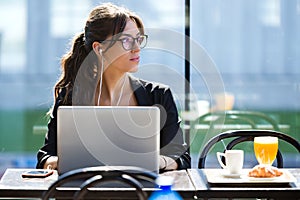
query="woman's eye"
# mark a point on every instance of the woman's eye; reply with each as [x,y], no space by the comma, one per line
[140,39]
[125,40]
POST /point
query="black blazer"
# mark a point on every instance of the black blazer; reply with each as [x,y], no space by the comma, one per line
[147,94]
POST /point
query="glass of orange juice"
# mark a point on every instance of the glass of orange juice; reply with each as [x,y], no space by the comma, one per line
[265,149]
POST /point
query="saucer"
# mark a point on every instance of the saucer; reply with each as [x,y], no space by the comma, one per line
[229,175]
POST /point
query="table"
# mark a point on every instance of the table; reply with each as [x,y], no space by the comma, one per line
[14,186]
[270,191]
[191,184]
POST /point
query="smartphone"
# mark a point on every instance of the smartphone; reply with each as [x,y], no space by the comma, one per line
[37,173]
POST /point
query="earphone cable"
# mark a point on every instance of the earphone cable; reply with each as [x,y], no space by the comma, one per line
[100,84]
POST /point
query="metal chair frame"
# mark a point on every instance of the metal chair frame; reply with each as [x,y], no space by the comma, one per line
[239,115]
[97,175]
[242,136]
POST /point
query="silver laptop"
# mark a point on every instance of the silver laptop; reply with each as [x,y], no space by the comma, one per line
[108,136]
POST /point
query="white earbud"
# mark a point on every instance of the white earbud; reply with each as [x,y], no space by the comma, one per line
[100,51]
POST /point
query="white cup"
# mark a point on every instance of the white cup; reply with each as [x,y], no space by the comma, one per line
[234,160]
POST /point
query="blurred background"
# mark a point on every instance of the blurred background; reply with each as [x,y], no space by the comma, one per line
[252,45]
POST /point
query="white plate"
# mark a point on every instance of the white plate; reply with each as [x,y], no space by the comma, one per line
[262,179]
[218,176]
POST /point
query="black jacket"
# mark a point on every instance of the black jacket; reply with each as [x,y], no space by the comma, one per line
[146,94]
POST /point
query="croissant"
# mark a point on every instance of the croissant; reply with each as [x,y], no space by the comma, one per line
[262,171]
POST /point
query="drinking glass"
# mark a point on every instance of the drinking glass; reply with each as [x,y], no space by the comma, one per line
[265,149]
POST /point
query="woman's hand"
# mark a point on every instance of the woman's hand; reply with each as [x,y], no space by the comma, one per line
[51,163]
[167,163]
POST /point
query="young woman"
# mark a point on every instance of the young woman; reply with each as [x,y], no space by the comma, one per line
[96,72]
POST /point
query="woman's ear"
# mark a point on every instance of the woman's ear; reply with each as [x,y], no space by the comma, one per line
[97,48]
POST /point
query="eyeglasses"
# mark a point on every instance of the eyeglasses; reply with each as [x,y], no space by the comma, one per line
[128,42]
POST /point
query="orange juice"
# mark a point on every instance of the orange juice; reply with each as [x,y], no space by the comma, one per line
[265,149]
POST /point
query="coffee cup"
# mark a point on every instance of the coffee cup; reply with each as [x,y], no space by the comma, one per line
[234,160]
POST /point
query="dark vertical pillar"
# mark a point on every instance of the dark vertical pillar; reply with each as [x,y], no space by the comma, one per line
[187,65]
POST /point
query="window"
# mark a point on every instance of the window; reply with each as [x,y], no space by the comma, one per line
[253,46]
[32,41]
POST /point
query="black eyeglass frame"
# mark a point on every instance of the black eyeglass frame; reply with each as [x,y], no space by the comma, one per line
[135,39]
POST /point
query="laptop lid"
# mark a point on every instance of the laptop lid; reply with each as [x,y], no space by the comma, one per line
[108,136]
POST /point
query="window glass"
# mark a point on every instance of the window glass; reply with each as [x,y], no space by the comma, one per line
[68,17]
[12,36]
[256,53]
[33,39]
[253,47]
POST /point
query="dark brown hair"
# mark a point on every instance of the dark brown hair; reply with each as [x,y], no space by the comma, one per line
[103,21]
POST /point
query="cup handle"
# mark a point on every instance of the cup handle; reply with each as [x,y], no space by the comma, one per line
[219,154]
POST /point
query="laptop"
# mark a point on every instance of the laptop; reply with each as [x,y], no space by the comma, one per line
[108,136]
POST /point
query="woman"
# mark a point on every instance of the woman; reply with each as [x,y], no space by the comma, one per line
[95,72]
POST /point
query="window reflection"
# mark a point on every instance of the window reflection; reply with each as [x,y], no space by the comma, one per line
[12,36]
[34,35]
[253,44]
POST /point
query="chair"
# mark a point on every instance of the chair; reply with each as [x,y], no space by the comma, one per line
[252,118]
[213,123]
[97,175]
[240,136]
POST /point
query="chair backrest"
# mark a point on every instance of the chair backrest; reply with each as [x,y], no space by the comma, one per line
[239,136]
[97,175]
[251,118]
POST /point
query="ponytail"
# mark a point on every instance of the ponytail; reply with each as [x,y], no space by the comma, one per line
[70,64]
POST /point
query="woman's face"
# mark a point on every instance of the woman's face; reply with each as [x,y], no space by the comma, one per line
[117,58]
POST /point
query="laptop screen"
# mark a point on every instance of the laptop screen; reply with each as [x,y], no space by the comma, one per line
[108,136]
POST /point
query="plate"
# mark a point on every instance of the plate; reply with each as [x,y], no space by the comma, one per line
[218,176]
[258,179]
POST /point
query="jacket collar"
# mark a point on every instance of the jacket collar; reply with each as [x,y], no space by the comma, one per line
[140,91]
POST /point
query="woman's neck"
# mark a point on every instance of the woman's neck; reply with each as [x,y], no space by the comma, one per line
[113,81]
[113,86]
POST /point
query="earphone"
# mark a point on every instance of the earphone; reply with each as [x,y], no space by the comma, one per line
[100,82]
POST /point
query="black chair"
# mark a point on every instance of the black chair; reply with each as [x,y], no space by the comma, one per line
[91,176]
[239,136]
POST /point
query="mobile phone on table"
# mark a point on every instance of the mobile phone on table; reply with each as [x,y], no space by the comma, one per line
[37,173]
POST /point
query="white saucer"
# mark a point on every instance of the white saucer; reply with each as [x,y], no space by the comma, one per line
[229,175]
